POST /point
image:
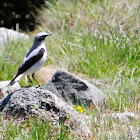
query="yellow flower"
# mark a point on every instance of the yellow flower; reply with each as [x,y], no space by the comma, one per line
[79,108]
[81,111]
[35,106]
[67,117]
[74,106]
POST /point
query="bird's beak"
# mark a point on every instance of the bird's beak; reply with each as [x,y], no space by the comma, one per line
[48,34]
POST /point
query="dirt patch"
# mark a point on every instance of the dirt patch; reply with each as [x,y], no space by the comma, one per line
[46,73]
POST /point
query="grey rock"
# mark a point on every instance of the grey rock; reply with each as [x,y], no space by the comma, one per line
[7,35]
[74,89]
[122,117]
[43,104]
[5,90]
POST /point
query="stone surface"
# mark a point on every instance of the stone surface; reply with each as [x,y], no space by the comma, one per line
[74,89]
[6,90]
[122,117]
[7,35]
[44,104]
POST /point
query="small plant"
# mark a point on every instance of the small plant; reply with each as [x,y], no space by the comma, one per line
[78,108]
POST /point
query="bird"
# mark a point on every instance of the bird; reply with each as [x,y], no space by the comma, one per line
[33,60]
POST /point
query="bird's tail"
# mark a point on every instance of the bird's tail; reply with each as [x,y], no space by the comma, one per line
[12,82]
[15,79]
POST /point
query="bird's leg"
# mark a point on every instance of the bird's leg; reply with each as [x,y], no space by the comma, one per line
[33,75]
[29,79]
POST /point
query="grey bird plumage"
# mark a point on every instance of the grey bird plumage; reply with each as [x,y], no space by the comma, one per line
[34,59]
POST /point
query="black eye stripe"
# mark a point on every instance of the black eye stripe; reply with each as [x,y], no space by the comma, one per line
[44,35]
[42,38]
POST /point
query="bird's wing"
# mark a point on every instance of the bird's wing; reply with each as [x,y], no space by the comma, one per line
[31,54]
[26,64]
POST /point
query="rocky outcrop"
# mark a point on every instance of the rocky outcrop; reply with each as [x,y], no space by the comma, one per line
[43,104]
[53,102]
[7,35]
[74,89]
[6,90]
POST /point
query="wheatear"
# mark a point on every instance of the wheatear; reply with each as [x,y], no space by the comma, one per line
[34,59]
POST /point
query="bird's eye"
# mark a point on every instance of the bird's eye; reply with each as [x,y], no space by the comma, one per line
[42,38]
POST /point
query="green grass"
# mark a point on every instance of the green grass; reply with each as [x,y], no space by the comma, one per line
[33,129]
[100,39]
